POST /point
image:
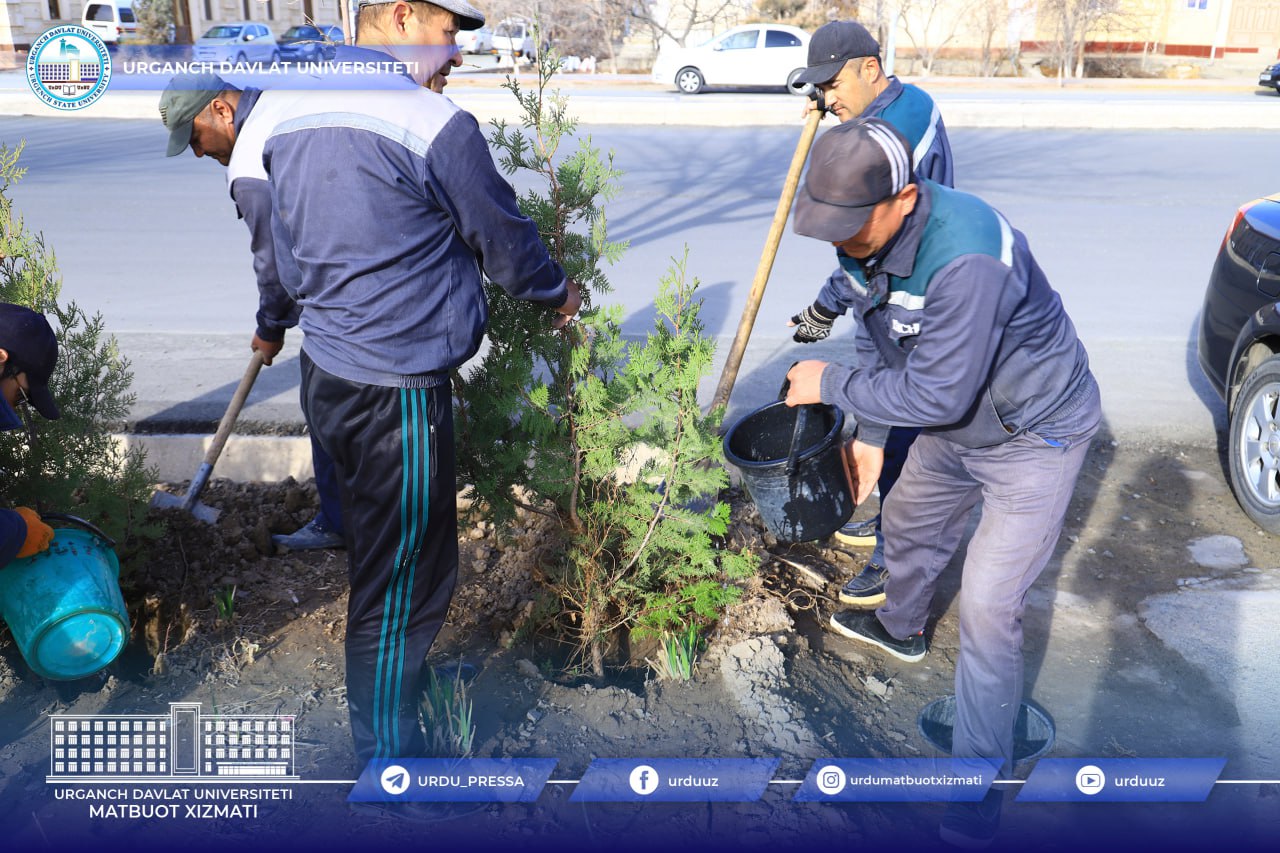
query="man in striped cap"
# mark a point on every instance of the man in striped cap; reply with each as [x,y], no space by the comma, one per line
[963,338]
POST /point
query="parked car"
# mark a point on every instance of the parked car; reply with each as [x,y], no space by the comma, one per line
[1270,77]
[1240,354]
[302,44]
[475,41]
[752,55]
[112,22]
[241,41]
[514,38]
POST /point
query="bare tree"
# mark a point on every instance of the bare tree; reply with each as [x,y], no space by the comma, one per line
[681,18]
[1074,20]
[921,20]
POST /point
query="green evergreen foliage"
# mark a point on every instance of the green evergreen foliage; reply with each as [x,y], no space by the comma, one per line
[155,21]
[602,433]
[73,464]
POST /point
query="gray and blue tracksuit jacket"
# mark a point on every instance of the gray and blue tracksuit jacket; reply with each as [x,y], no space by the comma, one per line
[910,109]
[961,334]
[247,183]
[391,205]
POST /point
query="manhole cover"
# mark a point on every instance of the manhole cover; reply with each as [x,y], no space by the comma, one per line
[1032,732]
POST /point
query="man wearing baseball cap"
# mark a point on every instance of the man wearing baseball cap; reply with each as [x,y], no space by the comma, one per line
[844,64]
[419,32]
[28,353]
[962,337]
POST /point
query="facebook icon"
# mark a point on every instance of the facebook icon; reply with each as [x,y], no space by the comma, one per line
[644,780]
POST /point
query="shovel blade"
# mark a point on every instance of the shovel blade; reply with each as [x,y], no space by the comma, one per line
[201,512]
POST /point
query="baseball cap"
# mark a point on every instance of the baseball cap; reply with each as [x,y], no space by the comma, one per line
[469,17]
[183,99]
[831,47]
[33,350]
[853,167]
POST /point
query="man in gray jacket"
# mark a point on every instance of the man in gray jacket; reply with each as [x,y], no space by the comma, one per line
[963,337]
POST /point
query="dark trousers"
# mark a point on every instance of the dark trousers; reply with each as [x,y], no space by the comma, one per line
[330,515]
[392,450]
[895,457]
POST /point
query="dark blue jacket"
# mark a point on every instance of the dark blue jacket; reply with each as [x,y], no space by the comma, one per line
[909,109]
[961,334]
[391,205]
[252,195]
[13,528]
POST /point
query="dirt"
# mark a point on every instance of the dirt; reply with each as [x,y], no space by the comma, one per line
[772,683]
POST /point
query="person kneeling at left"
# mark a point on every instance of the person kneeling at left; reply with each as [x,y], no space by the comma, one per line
[28,351]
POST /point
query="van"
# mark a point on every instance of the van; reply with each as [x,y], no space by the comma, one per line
[113,22]
[514,38]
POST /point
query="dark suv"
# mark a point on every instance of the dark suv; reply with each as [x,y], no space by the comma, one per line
[1270,77]
[1240,353]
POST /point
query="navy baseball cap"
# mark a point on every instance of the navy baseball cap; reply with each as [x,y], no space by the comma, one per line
[853,167]
[831,47]
[33,350]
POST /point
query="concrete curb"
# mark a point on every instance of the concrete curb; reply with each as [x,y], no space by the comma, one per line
[256,458]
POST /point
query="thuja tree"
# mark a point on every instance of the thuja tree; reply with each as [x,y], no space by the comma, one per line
[72,464]
[603,434]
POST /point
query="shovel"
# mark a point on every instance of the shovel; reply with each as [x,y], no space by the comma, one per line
[734,360]
[190,502]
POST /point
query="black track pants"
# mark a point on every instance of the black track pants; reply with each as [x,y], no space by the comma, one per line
[393,452]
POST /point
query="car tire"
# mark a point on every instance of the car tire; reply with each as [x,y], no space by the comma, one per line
[689,81]
[1254,445]
[791,80]
[241,58]
[275,57]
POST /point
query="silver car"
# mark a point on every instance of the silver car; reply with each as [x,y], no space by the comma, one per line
[241,41]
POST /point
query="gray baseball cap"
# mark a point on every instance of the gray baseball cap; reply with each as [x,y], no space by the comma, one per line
[469,17]
[184,99]
[831,47]
[853,167]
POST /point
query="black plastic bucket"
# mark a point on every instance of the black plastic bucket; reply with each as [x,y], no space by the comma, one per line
[1033,731]
[791,465]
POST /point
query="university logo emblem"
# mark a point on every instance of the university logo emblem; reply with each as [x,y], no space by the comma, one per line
[68,67]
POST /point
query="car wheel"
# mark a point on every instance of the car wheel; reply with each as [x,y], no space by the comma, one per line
[275,56]
[240,57]
[689,81]
[1255,445]
[803,88]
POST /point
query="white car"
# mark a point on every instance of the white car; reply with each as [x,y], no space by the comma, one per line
[113,22]
[751,55]
[475,41]
[514,38]
[240,41]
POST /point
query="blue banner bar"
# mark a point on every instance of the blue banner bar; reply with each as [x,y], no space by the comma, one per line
[898,780]
[452,780]
[1122,780]
[675,780]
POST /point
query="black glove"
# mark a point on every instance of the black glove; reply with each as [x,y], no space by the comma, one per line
[813,324]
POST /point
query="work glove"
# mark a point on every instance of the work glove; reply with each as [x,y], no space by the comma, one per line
[39,534]
[813,324]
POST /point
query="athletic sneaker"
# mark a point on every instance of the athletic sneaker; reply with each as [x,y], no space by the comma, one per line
[314,535]
[865,627]
[972,826]
[866,589]
[859,534]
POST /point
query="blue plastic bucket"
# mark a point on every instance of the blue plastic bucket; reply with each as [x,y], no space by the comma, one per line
[64,607]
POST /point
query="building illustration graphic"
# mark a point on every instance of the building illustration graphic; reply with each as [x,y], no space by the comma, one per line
[182,745]
[64,73]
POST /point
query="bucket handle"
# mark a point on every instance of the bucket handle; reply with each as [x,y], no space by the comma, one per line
[74,519]
[802,414]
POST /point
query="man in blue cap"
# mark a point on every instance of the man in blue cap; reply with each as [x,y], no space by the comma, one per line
[963,338]
[28,353]
[844,65]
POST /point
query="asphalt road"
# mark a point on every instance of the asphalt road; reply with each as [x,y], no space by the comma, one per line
[1125,223]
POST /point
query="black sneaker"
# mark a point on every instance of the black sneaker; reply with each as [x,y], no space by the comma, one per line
[972,826]
[866,627]
[866,589]
[859,534]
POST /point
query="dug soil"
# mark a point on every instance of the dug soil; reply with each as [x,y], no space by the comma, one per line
[772,683]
